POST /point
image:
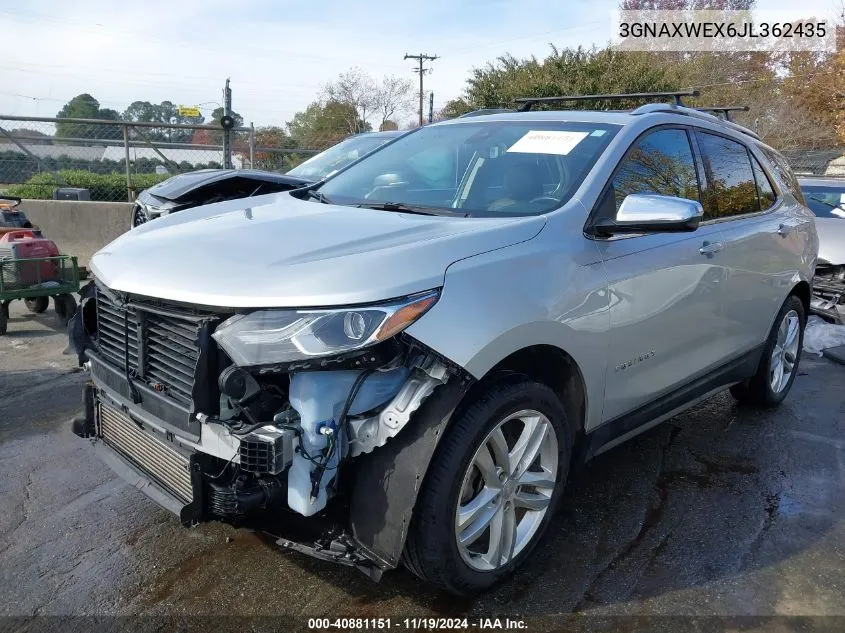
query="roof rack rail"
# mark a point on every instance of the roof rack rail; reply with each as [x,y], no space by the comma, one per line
[527,103]
[725,111]
[698,113]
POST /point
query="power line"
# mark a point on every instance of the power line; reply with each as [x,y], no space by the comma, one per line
[421,58]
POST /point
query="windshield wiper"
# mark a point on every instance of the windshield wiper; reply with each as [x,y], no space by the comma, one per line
[405,208]
[316,195]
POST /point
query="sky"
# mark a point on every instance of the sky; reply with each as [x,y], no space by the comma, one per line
[278,54]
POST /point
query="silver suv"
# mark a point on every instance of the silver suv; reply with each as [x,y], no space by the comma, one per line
[403,363]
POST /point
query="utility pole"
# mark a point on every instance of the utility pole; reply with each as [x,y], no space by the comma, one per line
[421,58]
[430,107]
[227,131]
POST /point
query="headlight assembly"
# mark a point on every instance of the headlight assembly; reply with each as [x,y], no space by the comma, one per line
[280,336]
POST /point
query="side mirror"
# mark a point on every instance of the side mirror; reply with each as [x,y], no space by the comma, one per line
[652,213]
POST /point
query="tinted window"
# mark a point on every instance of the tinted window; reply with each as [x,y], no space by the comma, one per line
[732,190]
[764,187]
[784,172]
[660,163]
[826,202]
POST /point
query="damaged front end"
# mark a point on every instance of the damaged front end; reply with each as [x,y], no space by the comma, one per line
[298,423]
[828,299]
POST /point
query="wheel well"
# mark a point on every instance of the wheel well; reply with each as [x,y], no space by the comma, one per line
[550,366]
[802,291]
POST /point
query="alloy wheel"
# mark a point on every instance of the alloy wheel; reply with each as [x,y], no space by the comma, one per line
[785,352]
[506,490]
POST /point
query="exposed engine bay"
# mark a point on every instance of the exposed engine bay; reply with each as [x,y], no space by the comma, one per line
[828,300]
[211,439]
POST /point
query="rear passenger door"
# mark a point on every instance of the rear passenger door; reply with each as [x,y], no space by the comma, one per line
[665,288]
[760,255]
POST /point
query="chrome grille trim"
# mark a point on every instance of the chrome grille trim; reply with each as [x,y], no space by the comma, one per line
[166,465]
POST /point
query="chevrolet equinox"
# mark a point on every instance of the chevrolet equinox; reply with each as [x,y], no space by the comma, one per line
[402,363]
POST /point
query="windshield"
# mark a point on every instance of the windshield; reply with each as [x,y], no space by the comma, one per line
[326,163]
[826,202]
[477,168]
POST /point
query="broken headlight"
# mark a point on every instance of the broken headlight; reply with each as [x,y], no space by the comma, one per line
[280,336]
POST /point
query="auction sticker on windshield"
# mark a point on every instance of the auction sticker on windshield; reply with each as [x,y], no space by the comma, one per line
[547,142]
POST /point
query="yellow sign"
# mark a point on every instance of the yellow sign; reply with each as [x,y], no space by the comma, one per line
[189,111]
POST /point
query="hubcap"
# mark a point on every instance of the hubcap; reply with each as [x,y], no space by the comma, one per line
[506,490]
[785,352]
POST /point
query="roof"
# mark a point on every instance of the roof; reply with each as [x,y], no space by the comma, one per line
[684,115]
[382,133]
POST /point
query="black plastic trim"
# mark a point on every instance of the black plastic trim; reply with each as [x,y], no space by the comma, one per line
[734,371]
[173,416]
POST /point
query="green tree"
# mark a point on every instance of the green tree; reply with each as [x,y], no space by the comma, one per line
[566,71]
[85,106]
[321,125]
[272,137]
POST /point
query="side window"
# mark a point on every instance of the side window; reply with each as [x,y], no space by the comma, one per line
[660,163]
[784,173]
[732,190]
[764,188]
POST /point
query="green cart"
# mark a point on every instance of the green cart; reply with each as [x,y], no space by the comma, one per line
[63,283]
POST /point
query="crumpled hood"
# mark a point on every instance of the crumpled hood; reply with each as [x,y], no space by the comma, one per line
[831,239]
[279,251]
[182,185]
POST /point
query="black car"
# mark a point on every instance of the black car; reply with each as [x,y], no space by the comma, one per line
[216,185]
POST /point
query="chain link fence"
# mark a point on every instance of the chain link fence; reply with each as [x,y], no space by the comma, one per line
[826,162]
[115,160]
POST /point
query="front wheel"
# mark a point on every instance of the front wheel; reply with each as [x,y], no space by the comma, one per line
[779,363]
[491,489]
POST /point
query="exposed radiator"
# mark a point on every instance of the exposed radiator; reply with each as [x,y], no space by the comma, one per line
[168,467]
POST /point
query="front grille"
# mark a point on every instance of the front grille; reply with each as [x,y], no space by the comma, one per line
[164,464]
[162,347]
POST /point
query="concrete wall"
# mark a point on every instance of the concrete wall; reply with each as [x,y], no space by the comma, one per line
[79,228]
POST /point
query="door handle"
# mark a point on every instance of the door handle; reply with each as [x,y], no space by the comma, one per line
[711,248]
[784,230]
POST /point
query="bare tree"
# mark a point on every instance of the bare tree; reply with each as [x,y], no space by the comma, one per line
[393,96]
[357,89]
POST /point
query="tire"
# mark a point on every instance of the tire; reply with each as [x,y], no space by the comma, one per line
[65,306]
[37,304]
[454,477]
[4,320]
[760,390]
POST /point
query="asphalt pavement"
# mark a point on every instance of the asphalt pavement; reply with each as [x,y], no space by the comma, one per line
[722,511]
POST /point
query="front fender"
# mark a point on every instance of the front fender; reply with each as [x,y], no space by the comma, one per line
[534,293]
[388,480]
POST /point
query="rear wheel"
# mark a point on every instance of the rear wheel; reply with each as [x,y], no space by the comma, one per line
[4,317]
[779,363]
[491,489]
[37,304]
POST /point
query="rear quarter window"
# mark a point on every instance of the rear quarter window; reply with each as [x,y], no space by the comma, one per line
[783,171]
